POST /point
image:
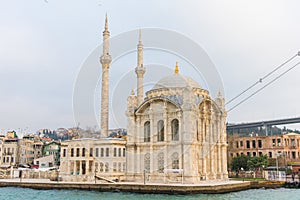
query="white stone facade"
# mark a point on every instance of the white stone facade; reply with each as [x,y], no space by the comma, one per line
[177,126]
[82,159]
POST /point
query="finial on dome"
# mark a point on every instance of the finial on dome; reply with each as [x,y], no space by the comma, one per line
[132,92]
[176,68]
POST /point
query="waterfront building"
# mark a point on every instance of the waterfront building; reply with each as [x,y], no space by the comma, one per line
[177,129]
[38,149]
[177,133]
[26,150]
[83,159]
[10,150]
[52,148]
[286,146]
[45,162]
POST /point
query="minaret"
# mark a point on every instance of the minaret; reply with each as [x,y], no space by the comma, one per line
[140,71]
[105,60]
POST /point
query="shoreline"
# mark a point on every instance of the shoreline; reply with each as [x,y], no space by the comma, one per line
[208,187]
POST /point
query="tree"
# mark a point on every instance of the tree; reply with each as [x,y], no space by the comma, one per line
[254,163]
[239,162]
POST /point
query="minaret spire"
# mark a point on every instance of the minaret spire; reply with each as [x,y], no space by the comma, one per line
[140,50]
[105,60]
[140,70]
[106,23]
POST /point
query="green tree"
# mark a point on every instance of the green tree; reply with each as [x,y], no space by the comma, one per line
[254,163]
[239,162]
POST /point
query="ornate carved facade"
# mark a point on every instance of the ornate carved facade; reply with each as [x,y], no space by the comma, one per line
[177,132]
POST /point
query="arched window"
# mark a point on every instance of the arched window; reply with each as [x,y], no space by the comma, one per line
[147,162]
[175,161]
[160,130]
[147,131]
[161,162]
[175,129]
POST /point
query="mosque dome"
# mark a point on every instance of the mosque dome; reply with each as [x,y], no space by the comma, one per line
[176,81]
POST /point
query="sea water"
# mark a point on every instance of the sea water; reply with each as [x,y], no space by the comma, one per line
[7,193]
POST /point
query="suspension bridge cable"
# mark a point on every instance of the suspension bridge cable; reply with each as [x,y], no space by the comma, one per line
[269,83]
[261,79]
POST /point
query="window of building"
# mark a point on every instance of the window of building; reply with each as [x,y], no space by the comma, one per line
[175,161]
[97,152]
[115,152]
[160,131]
[248,144]
[175,129]
[101,167]
[91,152]
[147,162]
[161,162]
[270,154]
[97,167]
[253,144]
[278,142]
[83,152]
[241,143]
[147,131]
[64,152]
[293,155]
[77,152]
[237,144]
[102,152]
[248,154]
[260,153]
[254,154]
[107,152]
[12,159]
[293,142]
[119,152]
[259,144]
[273,142]
[124,152]
[237,154]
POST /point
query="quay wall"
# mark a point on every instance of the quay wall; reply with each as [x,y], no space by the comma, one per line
[149,188]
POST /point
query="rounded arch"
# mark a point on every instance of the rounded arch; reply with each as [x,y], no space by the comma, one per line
[147,131]
[175,129]
[160,131]
[147,103]
[211,104]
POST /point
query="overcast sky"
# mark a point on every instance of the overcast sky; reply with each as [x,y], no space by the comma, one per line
[44,44]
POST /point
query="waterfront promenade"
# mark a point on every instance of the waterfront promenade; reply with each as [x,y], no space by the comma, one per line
[206,187]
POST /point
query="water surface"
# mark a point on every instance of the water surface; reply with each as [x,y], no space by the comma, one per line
[7,193]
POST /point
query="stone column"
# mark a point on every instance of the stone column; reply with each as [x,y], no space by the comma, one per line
[80,167]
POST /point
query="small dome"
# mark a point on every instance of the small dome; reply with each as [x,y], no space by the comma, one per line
[176,81]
